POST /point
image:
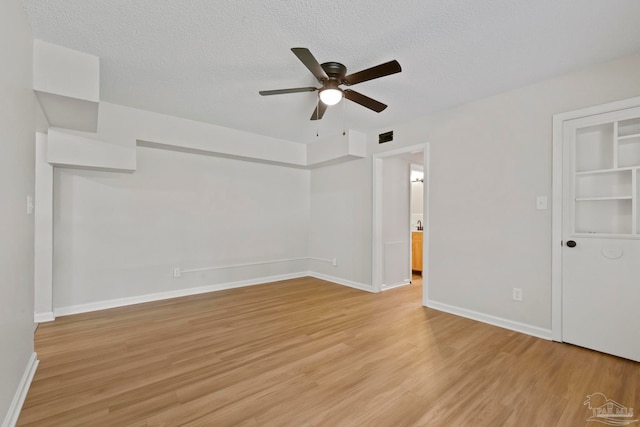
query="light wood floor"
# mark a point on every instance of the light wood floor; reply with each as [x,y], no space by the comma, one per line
[310,353]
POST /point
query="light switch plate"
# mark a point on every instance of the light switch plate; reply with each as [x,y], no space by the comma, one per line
[30,205]
[517,294]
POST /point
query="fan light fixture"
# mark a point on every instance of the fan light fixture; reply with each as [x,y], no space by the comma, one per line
[330,96]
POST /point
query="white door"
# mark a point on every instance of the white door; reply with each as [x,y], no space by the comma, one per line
[601,233]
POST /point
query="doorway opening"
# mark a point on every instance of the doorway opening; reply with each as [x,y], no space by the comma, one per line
[416,213]
[393,220]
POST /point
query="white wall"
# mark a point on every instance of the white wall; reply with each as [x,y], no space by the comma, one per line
[340,224]
[395,221]
[118,235]
[489,161]
[17,132]
[43,242]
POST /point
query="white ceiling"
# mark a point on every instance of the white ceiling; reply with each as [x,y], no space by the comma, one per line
[206,60]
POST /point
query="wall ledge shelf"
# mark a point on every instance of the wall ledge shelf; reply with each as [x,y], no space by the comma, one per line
[612,170]
[591,199]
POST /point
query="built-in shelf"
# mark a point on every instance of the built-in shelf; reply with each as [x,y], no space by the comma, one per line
[606,180]
[628,127]
[594,147]
[627,137]
[607,235]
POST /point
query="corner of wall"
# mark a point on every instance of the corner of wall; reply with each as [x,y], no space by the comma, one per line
[21,393]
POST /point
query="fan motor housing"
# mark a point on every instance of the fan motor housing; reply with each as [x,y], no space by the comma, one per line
[334,70]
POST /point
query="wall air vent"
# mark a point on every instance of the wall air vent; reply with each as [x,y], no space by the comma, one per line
[385,137]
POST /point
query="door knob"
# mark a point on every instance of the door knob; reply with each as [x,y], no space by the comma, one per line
[571,243]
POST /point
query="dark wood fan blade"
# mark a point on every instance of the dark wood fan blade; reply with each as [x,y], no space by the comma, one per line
[319,111]
[381,70]
[292,90]
[310,62]
[363,100]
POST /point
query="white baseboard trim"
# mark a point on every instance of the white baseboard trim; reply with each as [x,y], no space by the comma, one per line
[492,320]
[44,317]
[395,285]
[343,282]
[21,393]
[121,302]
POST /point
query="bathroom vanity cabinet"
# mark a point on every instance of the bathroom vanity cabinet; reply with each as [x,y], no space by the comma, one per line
[416,251]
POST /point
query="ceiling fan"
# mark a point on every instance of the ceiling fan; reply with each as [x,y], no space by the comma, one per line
[333,74]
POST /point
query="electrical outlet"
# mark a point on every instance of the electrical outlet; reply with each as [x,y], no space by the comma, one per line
[176,272]
[517,294]
[334,262]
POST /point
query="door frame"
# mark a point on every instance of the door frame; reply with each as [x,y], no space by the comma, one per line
[377,241]
[556,204]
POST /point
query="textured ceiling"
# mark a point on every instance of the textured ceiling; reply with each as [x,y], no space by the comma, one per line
[206,60]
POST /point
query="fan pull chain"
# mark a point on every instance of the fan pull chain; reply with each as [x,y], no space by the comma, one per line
[344,117]
[317,115]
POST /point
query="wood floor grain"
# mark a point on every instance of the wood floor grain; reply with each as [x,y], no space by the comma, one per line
[306,352]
